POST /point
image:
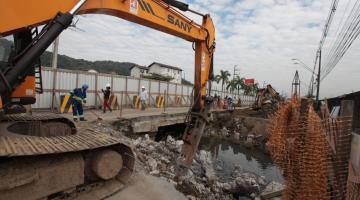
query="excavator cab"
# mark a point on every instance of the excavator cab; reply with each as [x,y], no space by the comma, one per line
[25,92]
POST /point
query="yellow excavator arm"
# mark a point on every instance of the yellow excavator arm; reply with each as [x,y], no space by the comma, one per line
[19,15]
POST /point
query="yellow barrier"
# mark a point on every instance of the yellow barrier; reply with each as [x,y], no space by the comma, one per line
[66,106]
[178,100]
[1,104]
[136,101]
[114,102]
[160,101]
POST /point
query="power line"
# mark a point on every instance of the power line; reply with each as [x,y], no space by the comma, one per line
[329,20]
[340,37]
[349,32]
[342,18]
[337,34]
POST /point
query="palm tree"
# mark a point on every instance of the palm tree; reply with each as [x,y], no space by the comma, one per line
[247,89]
[255,88]
[232,85]
[239,83]
[223,77]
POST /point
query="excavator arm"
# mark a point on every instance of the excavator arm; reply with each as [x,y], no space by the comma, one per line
[18,15]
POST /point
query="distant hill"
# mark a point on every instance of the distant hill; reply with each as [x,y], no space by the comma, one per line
[66,62]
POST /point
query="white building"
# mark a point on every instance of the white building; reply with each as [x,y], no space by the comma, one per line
[93,71]
[166,70]
[138,71]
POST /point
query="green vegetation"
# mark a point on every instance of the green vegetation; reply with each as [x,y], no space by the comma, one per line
[66,62]
[236,84]
[223,77]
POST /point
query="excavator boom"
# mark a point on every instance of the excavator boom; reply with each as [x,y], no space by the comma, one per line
[155,14]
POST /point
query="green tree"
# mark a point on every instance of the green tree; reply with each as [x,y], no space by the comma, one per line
[236,85]
[247,89]
[223,77]
[255,88]
[232,85]
[240,82]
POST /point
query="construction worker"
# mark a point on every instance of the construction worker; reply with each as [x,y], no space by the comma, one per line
[78,98]
[143,97]
[106,93]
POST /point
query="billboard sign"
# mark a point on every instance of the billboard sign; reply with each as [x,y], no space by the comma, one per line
[250,81]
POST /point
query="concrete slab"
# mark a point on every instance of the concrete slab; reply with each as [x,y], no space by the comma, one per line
[129,113]
[140,121]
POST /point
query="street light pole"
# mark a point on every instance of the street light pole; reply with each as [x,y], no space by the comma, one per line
[318,82]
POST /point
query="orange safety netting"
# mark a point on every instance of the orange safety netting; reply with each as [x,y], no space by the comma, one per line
[298,146]
[353,191]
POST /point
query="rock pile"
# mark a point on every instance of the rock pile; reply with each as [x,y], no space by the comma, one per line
[250,130]
[201,181]
[159,159]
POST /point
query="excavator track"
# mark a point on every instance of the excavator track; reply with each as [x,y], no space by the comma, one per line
[65,166]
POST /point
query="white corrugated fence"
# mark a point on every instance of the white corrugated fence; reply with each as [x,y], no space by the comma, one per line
[57,82]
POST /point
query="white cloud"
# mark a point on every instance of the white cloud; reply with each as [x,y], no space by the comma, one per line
[261,36]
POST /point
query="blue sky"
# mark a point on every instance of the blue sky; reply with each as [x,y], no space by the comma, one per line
[260,36]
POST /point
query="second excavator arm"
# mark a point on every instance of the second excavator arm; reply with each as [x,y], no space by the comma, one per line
[18,15]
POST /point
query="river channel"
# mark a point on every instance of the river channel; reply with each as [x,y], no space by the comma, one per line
[227,154]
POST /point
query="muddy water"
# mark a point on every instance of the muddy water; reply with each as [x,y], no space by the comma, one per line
[227,154]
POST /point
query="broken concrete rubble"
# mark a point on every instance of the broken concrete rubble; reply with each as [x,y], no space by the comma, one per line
[199,182]
[272,191]
[251,131]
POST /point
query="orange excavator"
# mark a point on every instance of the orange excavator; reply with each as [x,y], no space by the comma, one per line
[267,100]
[45,156]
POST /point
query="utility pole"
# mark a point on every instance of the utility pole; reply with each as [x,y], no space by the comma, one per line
[54,66]
[55,53]
[318,82]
